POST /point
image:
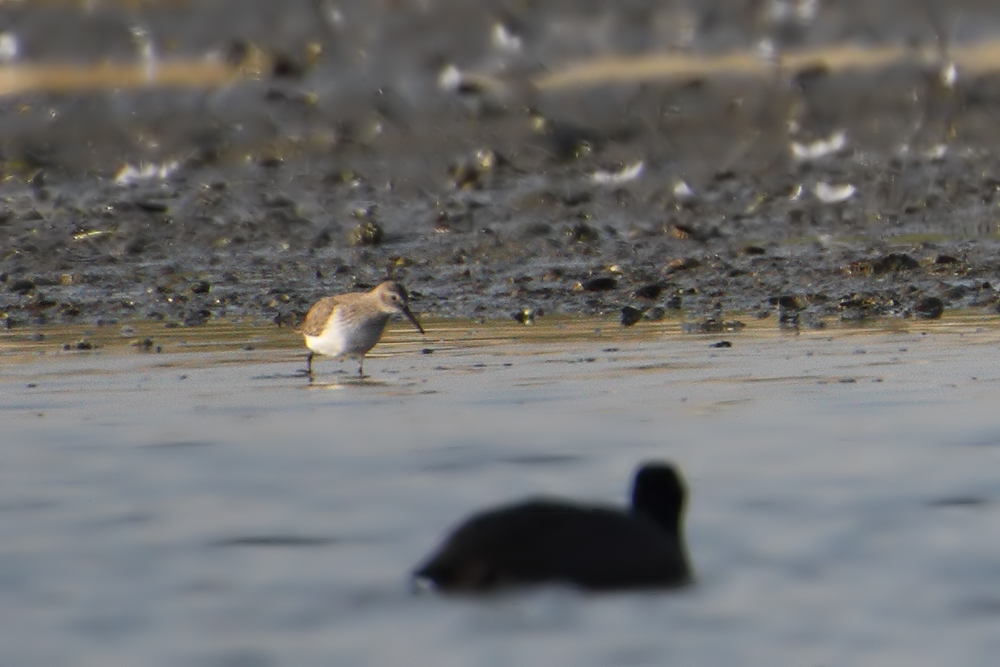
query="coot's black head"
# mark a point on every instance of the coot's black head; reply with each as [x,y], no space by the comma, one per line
[659,493]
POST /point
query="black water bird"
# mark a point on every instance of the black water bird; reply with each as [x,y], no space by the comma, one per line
[596,548]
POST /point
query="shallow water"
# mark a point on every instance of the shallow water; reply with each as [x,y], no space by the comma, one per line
[204,506]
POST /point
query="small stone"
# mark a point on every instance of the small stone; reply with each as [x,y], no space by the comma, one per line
[788,302]
[602,284]
[22,286]
[929,308]
[890,263]
[654,314]
[196,317]
[690,233]
[650,291]
[146,344]
[525,315]
[367,233]
[631,315]
[583,233]
[682,264]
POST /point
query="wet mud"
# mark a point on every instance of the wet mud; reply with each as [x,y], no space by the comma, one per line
[720,160]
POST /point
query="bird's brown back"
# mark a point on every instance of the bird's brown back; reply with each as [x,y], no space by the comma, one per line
[319,314]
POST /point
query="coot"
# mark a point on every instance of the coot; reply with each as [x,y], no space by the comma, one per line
[596,548]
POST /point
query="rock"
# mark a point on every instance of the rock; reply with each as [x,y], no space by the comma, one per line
[650,291]
[602,284]
[631,315]
[929,308]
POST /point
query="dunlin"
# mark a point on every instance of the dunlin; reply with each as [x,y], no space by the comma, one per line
[551,541]
[349,325]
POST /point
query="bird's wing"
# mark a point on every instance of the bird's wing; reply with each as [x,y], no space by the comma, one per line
[318,315]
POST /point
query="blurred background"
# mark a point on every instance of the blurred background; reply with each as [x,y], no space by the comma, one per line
[165,78]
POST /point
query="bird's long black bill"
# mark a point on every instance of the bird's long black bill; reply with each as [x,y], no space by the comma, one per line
[412,318]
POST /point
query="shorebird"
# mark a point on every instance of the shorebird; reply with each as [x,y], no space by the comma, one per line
[349,325]
[543,540]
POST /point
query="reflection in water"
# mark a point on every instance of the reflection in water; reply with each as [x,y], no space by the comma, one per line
[180,444]
[483,454]
[275,541]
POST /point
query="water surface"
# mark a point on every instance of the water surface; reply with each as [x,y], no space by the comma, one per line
[205,506]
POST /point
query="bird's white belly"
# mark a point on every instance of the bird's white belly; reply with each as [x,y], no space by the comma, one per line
[343,338]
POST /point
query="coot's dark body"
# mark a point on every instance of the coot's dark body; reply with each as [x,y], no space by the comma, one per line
[551,541]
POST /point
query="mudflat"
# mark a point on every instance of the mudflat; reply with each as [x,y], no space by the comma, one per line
[196,162]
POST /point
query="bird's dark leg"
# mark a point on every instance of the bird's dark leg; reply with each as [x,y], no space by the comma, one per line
[309,365]
[361,368]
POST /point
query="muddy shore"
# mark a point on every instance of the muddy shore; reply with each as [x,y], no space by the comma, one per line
[434,141]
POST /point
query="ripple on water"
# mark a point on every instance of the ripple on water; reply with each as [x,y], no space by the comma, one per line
[179,444]
[292,541]
[465,459]
[288,521]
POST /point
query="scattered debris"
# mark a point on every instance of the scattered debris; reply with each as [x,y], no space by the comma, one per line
[504,40]
[526,315]
[688,232]
[934,153]
[367,233]
[129,175]
[815,150]
[833,194]
[867,267]
[450,79]
[682,264]
[146,345]
[627,173]
[683,192]
[712,325]
[582,233]
[894,261]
